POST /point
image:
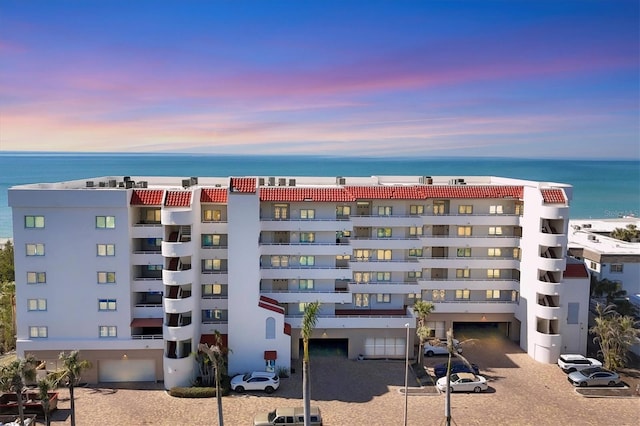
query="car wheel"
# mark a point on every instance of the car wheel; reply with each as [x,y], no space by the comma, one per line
[612,383]
[451,390]
[239,389]
[583,384]
[477,389]
[269,389]
[429,353]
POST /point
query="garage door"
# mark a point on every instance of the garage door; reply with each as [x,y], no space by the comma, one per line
[127,370]
[437,328]
[384,346]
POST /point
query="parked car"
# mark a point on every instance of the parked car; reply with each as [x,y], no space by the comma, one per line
[595,376]
[439,347]
[573,362]
[463,382]
[457,366]
[257,380]
[287,416]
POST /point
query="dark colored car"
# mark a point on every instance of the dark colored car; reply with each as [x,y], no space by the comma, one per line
[440,370]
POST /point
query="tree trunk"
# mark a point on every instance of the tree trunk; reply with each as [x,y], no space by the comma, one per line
[73,404]
[306,392]
[219,397]
[20,407]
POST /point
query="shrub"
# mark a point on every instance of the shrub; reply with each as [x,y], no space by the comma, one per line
[184,392]
[283,372]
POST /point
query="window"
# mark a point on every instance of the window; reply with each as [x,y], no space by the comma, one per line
[464,252]
[108,331]
[493,294]
[211,215]
[106,249]
[270,328]
[280,261]
[416,210]
[573,310]
[307,214]
[211,289]
[493,273]
[495,230]
[307,237]
[383,254]
[34,221]
[412,296]
[35,249]
[465,209]
[616,268]
[383,298]
[305,284]
[307,260]
[36,304]
[210,240]
[38,332]
[106,277]
[437,295]
[439,207]
[593,265]
[343,211]
[361,300]
[211,265]
[496,209]
[516,253]
[362,255]
[280,211]
[519,209]
[105,222]
[107,304]
[463,273]
[415,252]
[462,294]
[154,267]
[361,277]
[416,230]
[36,277]
[151,216]
[414,274]
[384,232]
[383,276]
[514,295]
[494,252]
[464,231]
[212,315]
[384,210]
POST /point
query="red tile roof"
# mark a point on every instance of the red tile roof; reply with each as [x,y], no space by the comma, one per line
[576,270]
[147,197]
[213,195]
[305,194]
[471,191]
[178,199]
[246,185]
[553,196]
[287,329]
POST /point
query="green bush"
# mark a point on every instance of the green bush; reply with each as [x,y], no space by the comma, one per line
[184,392]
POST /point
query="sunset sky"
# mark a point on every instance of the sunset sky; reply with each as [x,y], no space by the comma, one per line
[514,78]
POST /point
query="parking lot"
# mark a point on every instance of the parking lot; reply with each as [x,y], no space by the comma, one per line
[349,392]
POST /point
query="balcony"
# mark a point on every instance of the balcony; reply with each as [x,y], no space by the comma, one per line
[549,239]
[176,306]
[314,249]
[178,333]
[403,243]
[150,230]
[149,310]
[554,211]
[475,283]
[362,319]
[307,225]
[547,340]
[217,227]
[178,277]
[177,216]
[469,262]
[547,264]
[316,273]
[548,288]
[142,285]
[547,312]
[308,296]
[147,257]
[385,287]
[177,249]
[474,307]
[387,221]
[471,241]
[473,219]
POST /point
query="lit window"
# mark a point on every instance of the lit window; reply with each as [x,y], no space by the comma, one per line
[35,249]
[106,249]
[514,296]
[415,252]
[211,289]
[494,252]
[493,294]
[281,211]
[108,331]
[343,211]
[280,261]
[307,237]
[106,277]
[36,277]
[36,304]
[384,254]
[495,230]
[361,277]
[439,207]
[416,210]
[519,209]
[464,252]
[361,300]
[34,221]
[383,276]
[496,209]
[414,274]
[38,332]
[361,255]
[437,295]
[211,215]
[107,304]
[105,222]
[465,209]
[493,273]
[305,284]
[464,231]
[463,273]
[412,296]
[307,260]
[383,298]
[462,294]
[616,268]
[416,230]
[307,214]
[210,240]
[516,253]
[384,210]
[384,232]
[151,216]
[211,264]
[302,306]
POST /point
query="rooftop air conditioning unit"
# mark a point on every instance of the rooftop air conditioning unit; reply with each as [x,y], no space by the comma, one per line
[427,180]
[260,181]
[591,237]
[282,182]
[292,182]
[272,181]
[89,184]
[126,178]
[102,184]
[186,183]
[143,184]
[340,180]
[112,183]
[194,180]
[129,184]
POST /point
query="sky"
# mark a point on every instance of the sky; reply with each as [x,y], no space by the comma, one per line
[512,78]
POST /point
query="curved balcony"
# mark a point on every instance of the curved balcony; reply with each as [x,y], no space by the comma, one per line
[552,289]
[554,212]
[177,249]
[175,306]
[177,277]
[178,371]
[547,312]
[552,240]
[547,264]
[547,340]
[178,333]
[177,216]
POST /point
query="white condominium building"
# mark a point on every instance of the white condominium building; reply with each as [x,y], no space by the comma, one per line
[135,272]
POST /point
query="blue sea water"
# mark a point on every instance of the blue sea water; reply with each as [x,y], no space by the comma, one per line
[602,189]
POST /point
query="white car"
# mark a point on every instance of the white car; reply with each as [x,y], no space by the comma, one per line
[573,362]
[463,382]
[439,347]
[258,380]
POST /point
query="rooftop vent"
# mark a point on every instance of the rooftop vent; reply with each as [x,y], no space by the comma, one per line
[340,180]
[457,181]
[272,181]
[427,180]
[186,183]
[292,182]
[89,184]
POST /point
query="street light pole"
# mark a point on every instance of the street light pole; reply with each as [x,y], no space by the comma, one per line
[406,377]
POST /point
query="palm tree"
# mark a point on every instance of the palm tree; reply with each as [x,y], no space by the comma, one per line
[13,377]
[615,334]
[217,355]
[44,386]
[70,373]
[422,310]
[630,233]
[308,323]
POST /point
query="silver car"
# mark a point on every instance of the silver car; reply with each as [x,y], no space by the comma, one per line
[595,376]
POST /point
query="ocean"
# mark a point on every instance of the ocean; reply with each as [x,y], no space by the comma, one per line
[602,189]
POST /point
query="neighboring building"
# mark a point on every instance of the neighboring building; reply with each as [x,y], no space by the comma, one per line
[136,272]
[606,257]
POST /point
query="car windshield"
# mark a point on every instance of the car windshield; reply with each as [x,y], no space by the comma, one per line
[246,377]
[589,371]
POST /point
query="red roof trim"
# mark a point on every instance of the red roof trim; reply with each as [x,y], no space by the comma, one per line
[178,199]
[213,195]
[270,304]
[146,322]
[553,196]
[305,194]
[149,197]
[270,355]
[244,185]
[287,329]
[576,270]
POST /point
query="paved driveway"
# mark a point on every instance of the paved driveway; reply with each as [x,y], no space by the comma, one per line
[522,392]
